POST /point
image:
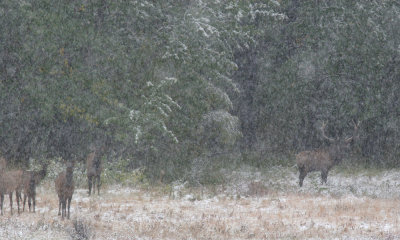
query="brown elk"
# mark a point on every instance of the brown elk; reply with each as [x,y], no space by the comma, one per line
[94,168]
[324,159]
[10,181]
[29,182]
[65,189]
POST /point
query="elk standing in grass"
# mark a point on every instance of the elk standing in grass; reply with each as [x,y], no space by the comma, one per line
[65,189]
[325,158]
[10,181]
[94,168]
[29,182]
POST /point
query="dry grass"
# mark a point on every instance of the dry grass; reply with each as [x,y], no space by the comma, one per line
[136,214]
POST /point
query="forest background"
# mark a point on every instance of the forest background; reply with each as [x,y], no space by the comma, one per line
[188,87]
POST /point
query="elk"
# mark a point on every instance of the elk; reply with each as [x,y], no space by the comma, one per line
[29,182]
[10,181]
[94,168]
[65,189]
[324,159]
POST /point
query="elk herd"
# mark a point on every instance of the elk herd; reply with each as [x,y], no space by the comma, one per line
[18,181]
[25,181]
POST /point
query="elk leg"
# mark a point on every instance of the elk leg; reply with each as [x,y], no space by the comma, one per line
[94,184]
[19,199]
[302,175]
[10,194]
[69,205]
[18,195]
[63,209]
[29,202]
[23,208]
[34,202]
[1,203]
[98,185]
[324,177]
[90,184]
[59,206]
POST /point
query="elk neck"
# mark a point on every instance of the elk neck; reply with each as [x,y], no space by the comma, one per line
[338,151]
[69,174]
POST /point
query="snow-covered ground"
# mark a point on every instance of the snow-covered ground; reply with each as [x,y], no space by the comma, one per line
[363,183]
[251,205]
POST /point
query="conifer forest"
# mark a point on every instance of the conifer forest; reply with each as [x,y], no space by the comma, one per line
[200,119]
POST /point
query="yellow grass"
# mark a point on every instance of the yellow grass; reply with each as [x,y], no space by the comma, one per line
[125,214]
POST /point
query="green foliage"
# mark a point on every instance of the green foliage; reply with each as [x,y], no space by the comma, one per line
[329,61]
[168,82]
[209,169]
[119,173]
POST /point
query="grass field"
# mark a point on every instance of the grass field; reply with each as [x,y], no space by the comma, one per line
[251,205]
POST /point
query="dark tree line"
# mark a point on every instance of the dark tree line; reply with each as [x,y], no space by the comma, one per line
[166,83]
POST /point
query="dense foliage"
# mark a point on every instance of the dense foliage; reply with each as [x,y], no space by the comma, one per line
[171,84]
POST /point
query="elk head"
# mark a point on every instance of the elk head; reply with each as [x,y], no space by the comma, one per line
[339,147]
